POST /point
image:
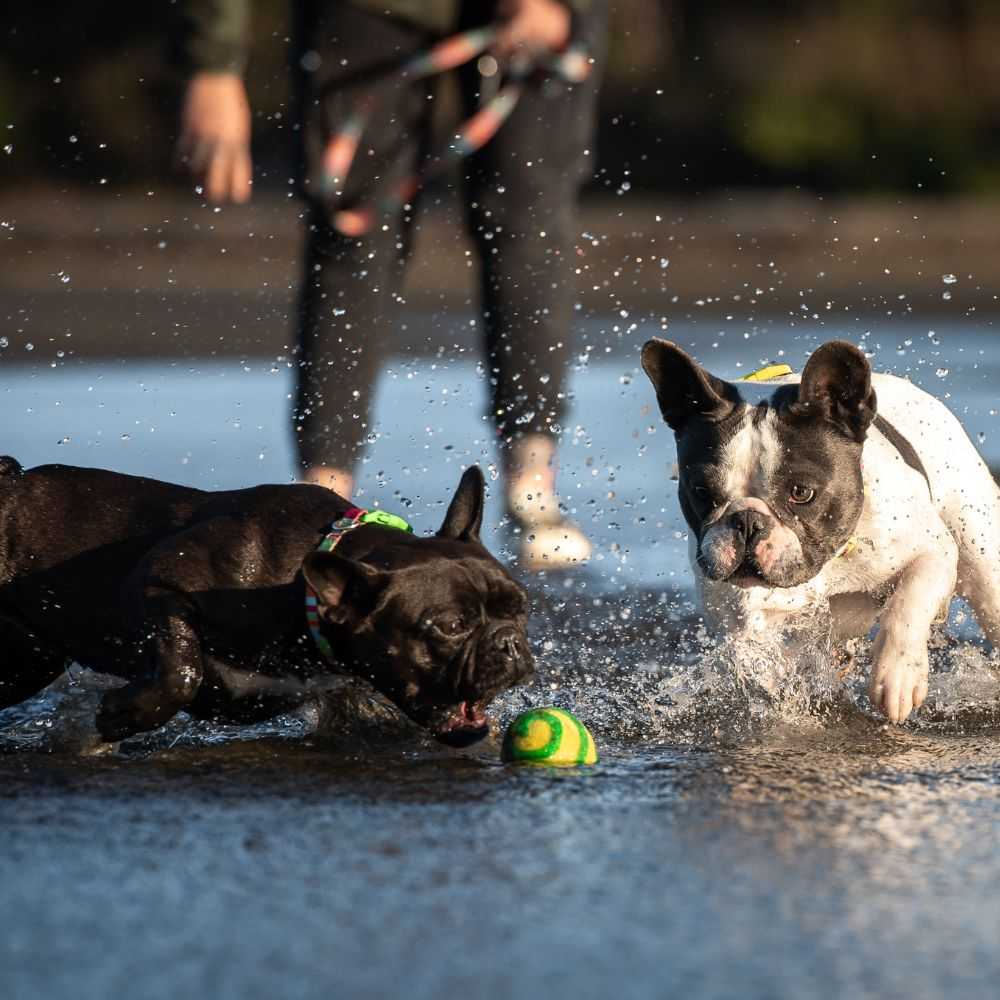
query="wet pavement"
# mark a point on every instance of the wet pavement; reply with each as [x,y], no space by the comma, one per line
[746,833]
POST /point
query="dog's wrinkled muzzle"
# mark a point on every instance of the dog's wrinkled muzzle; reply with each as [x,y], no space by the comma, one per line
[733,545]
[749,547]
[503,658]
[496,659]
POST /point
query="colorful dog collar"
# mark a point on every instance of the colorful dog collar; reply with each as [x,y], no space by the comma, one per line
[350,519]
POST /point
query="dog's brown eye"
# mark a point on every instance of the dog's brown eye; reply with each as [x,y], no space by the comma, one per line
[453,626]
[801,494]
[702,492]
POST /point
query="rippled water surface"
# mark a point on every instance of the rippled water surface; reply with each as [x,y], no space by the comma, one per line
[751,830]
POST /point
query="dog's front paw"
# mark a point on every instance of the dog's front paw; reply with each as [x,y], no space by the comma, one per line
[135,708]
[899,686]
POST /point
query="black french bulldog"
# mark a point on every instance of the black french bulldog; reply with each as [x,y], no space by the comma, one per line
[197,599]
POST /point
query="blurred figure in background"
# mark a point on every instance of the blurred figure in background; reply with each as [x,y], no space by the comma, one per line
[520,193]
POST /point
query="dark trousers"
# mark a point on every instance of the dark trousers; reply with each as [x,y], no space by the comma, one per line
[520,193]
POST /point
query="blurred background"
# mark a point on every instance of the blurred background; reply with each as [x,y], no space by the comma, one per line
[767,175]
[864,96]
[845,153]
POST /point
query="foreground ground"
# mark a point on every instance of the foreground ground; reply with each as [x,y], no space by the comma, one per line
[747,832]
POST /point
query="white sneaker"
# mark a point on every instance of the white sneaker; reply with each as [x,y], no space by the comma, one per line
[544,538]
[551,546]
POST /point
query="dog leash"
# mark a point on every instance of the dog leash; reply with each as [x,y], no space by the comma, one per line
[352,518]
[572,65]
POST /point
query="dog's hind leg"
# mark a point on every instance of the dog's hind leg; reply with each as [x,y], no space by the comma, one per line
[27,663]
[976,527]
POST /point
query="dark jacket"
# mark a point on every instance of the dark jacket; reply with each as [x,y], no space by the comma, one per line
[215,34]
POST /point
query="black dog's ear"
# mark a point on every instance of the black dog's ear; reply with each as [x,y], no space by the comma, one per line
[465,512]
[347,590]
[683,388]
[837,387]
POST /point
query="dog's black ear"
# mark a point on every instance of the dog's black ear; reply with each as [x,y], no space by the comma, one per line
[465,512]
[683,388]
[837,387]
[347,590]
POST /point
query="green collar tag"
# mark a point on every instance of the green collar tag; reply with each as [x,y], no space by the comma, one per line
[350,519]
[386,520]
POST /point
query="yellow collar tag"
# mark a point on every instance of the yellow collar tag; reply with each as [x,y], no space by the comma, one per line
[767,373]
[848,548]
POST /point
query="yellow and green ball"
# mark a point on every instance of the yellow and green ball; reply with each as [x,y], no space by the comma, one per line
[548,736]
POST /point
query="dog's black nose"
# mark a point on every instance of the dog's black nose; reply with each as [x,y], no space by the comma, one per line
[510,650]
[748,523]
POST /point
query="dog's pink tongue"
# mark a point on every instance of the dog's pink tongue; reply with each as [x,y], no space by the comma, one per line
[467,715]
[473,712]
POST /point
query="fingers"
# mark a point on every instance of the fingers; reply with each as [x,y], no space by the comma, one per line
[506,41]
[218,171]
[223,169]
[535,25]
[241,177]
[214,145]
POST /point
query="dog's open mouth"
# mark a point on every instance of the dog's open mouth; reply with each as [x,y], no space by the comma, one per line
[465,724]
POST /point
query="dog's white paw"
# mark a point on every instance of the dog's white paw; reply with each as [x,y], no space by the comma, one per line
[898,684]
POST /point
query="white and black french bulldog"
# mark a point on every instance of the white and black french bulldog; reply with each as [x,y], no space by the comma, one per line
[198,600]
[839,488]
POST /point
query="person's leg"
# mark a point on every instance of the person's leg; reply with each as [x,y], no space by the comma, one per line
[345,315]
[522,189]
[349,285]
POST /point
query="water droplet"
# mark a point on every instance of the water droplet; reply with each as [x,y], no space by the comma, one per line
[949,279]
[942,372]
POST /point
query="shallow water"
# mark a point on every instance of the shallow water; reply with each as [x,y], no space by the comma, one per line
[748,831]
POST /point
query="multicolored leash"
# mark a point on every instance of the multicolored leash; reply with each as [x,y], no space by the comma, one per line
[572,65]
[350,519]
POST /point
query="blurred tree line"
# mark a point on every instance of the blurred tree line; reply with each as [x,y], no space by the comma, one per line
[848,95]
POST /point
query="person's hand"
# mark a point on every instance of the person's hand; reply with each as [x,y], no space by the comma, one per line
[536,25]
[214,144]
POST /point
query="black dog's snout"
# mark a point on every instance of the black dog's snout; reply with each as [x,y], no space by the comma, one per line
[510,648]
[505,643]
[749,523]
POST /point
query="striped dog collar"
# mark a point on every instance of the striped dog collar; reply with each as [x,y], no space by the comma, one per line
[349,520]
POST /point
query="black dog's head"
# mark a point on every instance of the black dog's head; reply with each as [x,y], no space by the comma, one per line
[436,624]
[770,473]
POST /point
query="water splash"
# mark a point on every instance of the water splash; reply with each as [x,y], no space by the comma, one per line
[639,668]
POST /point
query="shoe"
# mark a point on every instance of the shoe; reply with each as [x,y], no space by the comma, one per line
[544,537]
[552,546]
